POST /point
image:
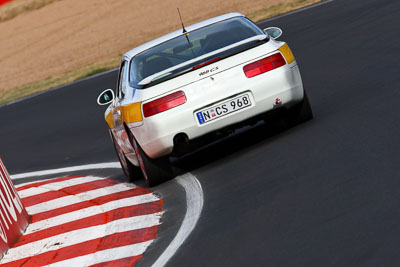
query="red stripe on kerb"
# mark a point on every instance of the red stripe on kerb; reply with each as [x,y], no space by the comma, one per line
[121,262]
[99,219]
[60,179]
[85,204]
[66,191]
[88,247]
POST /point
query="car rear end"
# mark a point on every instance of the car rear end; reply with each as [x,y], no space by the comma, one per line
[216,94]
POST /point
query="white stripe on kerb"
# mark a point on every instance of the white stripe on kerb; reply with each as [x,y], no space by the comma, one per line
[73,199]
[57,186]
[78,236]
[32,191]
[105,255]
[90,211]
[32,182]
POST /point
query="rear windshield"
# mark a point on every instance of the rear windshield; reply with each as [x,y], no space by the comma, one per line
[190,46]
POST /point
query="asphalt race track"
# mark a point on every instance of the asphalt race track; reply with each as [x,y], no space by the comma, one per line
[324,193]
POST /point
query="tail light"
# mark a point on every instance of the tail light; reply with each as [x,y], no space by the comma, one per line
[264,65]
[164,103]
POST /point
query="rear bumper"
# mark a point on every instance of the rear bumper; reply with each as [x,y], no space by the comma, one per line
[156,135]
[182,147]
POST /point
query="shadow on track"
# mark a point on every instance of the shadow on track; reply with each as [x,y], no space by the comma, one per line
[237,142]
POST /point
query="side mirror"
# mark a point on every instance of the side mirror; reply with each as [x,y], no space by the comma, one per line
[106,97]
[274,32]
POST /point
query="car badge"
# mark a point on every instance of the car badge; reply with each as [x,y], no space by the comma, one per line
[277,102]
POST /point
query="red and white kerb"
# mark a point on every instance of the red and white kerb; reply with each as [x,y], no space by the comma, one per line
[85,221]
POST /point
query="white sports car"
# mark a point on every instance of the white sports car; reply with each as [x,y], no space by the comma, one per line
[179,90]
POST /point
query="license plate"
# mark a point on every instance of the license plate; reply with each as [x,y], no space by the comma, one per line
[224,108]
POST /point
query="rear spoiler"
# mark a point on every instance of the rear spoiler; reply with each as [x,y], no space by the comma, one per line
[165,72]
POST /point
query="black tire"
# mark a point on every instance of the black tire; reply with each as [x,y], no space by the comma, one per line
[131,171]
[155,171]
[301,112]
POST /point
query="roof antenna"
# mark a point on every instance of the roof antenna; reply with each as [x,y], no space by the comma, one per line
[186,34]
[183,26]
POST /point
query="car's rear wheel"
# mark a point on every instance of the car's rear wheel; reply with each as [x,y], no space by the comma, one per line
[131,171]
[155,171]
[301,112]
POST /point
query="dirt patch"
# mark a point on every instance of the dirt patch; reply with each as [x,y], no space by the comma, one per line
[16,7]
[67,35]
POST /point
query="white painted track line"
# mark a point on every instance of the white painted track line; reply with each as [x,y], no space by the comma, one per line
[108,165]
[194,203]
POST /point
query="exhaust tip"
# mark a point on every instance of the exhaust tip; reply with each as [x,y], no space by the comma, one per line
[181,139]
